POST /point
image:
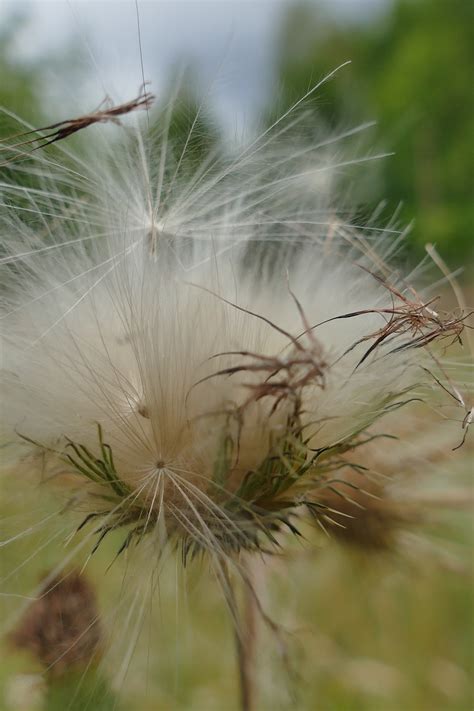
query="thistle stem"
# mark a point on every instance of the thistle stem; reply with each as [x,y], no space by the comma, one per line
[246,642]
[250,639]
[245,633]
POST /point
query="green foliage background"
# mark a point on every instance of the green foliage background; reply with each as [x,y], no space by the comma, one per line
[412,71]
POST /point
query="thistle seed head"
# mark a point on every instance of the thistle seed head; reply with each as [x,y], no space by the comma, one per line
[195,354]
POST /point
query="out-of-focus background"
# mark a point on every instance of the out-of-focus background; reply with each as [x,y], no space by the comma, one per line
[382,633]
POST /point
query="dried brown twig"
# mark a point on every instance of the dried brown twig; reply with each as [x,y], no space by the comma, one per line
[63,129]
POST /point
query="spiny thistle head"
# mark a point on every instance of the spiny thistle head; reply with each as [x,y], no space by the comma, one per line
[363,514]
[195,352]
[61,628]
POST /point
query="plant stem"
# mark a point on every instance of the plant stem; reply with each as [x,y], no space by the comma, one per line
[245,633]
[250,636]
[247,641]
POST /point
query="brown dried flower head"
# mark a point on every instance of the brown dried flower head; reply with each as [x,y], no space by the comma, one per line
[62,628]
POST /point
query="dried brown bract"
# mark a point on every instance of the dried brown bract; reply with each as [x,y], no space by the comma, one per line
[286,374]
[61,628]
[414,318]
[63,129]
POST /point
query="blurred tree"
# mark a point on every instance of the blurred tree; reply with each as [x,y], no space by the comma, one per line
[182,126]
[411,69]
[19,85]
[192,130]
[20,93]
[185,118]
